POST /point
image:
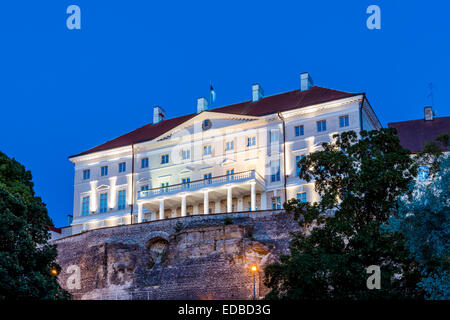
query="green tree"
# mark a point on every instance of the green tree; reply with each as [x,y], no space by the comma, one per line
[26,258]
[423,217]
[358,180]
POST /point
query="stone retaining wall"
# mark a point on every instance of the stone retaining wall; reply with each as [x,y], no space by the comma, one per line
[196,257]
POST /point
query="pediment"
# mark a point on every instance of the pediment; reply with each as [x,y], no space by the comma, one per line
[187,170]
[143,180]
[103,187]
[227,161]
[216,120]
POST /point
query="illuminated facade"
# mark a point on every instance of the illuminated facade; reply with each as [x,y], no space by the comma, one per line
[236,158]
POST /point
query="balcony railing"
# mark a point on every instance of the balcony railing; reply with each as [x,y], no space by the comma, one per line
[199,184]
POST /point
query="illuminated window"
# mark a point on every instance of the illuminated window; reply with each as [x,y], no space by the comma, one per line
[343,121]
[276,203]
[297,159]
[274,136]
[321,125]
[122,167]
[186,181]
[423,173]
[86,174]
[104,171]
[301,197]
[122,199]
[299,131]
[251,141]
[275,171]
[186,154]
[164,158]
[144,163]
[85,206]
[230,145]
[207,177]
[206,150]
[230,174]
[103,202]
[164,185]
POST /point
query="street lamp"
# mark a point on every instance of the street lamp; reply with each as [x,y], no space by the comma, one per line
[254,269]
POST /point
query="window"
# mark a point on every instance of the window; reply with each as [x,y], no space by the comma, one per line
[274,136]
[164,185]
[85,206]
[144,188]
[321,125]
[275,171]
[301,197]
[103,202]
[206,150]
[299,131]
[104,171]
[343,121]
[144,163]
[186,154]
[207,177]
[122,199]
[86,174]
[186,181]
[276,203]
[251,141]
[230,145]
[423,172]
[164,158]
[230,173]
[122,167]
[297,159]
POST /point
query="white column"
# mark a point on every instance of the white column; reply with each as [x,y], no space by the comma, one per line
[140,205]
[205,202]
[229,199]
[263,201]
[253,196]
[161,209]
[183,205]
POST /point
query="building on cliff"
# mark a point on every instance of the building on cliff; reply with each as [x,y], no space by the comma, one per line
[236,158]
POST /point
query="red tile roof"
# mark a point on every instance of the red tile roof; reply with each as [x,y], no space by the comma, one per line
[57,230]
[414,134]
[267,105]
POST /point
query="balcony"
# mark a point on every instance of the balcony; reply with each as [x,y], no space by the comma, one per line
[197,185]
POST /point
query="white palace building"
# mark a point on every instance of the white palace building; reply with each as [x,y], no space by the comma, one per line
[236,158]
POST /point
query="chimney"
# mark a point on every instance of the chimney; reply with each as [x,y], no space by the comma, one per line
[257,92]
[202,104]
[429,113]
[158,114]
[306,82]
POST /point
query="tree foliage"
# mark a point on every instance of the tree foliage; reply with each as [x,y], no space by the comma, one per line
[26,258]
[423,218]
[358,180]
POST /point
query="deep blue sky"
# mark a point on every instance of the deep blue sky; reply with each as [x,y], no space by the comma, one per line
[63,91]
